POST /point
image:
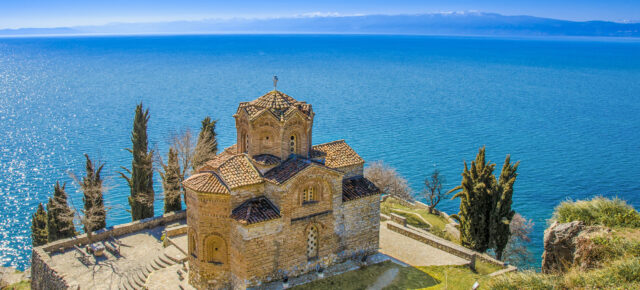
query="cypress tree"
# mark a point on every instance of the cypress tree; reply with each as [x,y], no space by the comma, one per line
[91,186]
[59,215]
[475,203]
[140,176]
[39,234]
[171,183]
[502,213]
[207,145]
[485,204]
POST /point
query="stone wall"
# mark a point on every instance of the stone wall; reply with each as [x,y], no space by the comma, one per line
[43,276]
[362,224]
[115,231]
[440,243]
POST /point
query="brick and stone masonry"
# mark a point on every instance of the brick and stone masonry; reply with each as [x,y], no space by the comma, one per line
[275,206]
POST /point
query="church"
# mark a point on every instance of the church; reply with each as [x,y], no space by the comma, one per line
[273,205]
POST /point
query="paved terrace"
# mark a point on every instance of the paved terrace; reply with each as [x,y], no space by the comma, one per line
[141,254]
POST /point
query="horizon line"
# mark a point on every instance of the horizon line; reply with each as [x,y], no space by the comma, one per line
[310,15]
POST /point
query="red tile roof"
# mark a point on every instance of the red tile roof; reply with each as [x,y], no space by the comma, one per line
[276,102]
[255,210]
[205,182]
[357,187]
[336,154]
[287,169]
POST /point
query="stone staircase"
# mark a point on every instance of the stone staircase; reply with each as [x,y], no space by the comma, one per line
[137,279]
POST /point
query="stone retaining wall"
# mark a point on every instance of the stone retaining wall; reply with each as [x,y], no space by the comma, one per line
[115,231]
[43,274]
[440,243]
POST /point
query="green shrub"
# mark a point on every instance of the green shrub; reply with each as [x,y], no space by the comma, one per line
[598,211]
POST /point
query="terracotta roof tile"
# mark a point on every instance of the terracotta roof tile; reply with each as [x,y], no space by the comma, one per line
[255,210]
[218,160]
[206,182]
[276,102]
[357,187]
[336,154]
[287,169]
[238,171]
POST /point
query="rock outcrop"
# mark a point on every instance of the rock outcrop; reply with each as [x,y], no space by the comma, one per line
[560,246]
[567,244]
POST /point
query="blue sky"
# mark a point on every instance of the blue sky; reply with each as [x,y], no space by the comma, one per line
[54,13]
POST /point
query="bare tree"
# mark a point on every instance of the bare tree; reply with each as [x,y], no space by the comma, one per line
[184,143]
[433,189]
[517,251]
[388,180]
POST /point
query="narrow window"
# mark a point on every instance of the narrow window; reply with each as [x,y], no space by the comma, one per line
[312,242]
[308,195]
[292,144]
[246,143]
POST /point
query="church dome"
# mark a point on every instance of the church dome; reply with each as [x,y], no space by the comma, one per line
[277,102]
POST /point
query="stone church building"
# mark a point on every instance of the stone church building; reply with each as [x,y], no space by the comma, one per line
[274,205]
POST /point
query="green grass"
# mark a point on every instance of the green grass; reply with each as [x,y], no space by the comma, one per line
[486,268]
[430,277]
[613,213]
[22,285]
[437,222]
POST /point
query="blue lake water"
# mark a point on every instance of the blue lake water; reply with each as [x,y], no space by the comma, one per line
[568,109]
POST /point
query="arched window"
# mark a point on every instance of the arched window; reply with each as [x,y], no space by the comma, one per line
[192,244]
[309,195]
[292,144]
[312,242]
[215,250]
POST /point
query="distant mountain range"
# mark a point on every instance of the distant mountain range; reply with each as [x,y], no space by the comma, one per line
[460,23]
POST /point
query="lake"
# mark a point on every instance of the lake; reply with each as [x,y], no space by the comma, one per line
[568,109]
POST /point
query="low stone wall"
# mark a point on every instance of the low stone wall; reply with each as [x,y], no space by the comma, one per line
[440,243]
[176,231]
[115,231]
[44,276]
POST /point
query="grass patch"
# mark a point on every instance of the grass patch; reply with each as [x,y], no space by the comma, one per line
[429,277]
[454,277]
[438,223]
[22,285]
[407,278]
[613,213]
[620,274]
[485,268]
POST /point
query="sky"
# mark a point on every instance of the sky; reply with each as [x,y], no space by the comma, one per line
[62,13]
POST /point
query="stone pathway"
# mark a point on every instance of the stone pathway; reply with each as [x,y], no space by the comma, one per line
[414,252]
[385,279]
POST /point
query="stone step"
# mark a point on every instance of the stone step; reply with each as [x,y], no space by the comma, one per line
[166,260]
[136,282]
[159,264]
[154,265]
[149,269]
[142,278]
[173,253]
[131,284]
[145,271]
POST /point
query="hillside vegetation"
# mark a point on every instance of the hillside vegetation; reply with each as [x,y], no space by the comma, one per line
[608,256]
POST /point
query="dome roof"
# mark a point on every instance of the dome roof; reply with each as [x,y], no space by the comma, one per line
[276,102]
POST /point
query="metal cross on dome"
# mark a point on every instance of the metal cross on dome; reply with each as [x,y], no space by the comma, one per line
[275,82]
